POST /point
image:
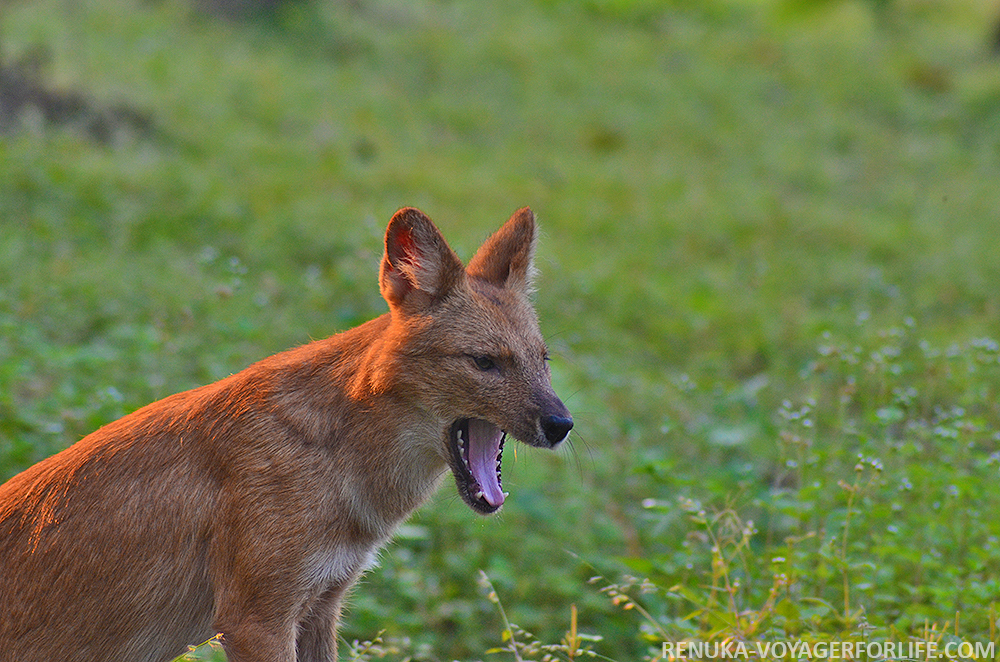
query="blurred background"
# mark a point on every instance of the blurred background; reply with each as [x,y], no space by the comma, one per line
[768,277]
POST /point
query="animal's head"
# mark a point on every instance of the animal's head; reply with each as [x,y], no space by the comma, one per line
[468,348]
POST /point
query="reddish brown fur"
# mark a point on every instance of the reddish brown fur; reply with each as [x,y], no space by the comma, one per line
[249,506]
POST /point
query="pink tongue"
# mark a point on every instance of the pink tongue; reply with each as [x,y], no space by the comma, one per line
[484,446]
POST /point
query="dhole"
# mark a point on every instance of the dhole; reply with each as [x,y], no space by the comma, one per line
[249,506]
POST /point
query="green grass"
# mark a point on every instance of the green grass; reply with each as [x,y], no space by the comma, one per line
[768,278]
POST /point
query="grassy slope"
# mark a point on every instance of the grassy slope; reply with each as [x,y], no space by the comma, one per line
[717,188]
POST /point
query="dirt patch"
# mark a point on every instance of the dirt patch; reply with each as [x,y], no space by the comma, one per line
[26,99]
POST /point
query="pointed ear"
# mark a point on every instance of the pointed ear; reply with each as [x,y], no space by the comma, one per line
[418,267]
[506,259]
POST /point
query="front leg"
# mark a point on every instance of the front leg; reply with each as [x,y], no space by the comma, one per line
[250,641]
[317,631]
[264,628]
[255,612]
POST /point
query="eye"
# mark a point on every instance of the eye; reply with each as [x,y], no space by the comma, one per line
[484,363]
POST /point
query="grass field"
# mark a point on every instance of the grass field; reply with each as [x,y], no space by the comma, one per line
[769,281]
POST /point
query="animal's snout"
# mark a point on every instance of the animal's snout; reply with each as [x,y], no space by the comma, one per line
[556,428]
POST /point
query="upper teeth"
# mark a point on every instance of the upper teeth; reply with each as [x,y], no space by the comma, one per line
[463,445]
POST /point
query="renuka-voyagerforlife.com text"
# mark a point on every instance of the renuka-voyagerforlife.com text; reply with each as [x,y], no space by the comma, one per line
[827,650]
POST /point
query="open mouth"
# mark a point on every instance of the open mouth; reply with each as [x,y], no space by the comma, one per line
[476,449]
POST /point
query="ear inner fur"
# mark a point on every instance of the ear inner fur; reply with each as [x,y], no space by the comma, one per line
[417,258]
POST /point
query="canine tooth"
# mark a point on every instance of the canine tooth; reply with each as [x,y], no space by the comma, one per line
[506,494]
[479,494]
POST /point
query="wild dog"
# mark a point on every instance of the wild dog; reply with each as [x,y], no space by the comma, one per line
[249,506]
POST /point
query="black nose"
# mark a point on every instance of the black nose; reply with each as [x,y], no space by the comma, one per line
[556,428]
